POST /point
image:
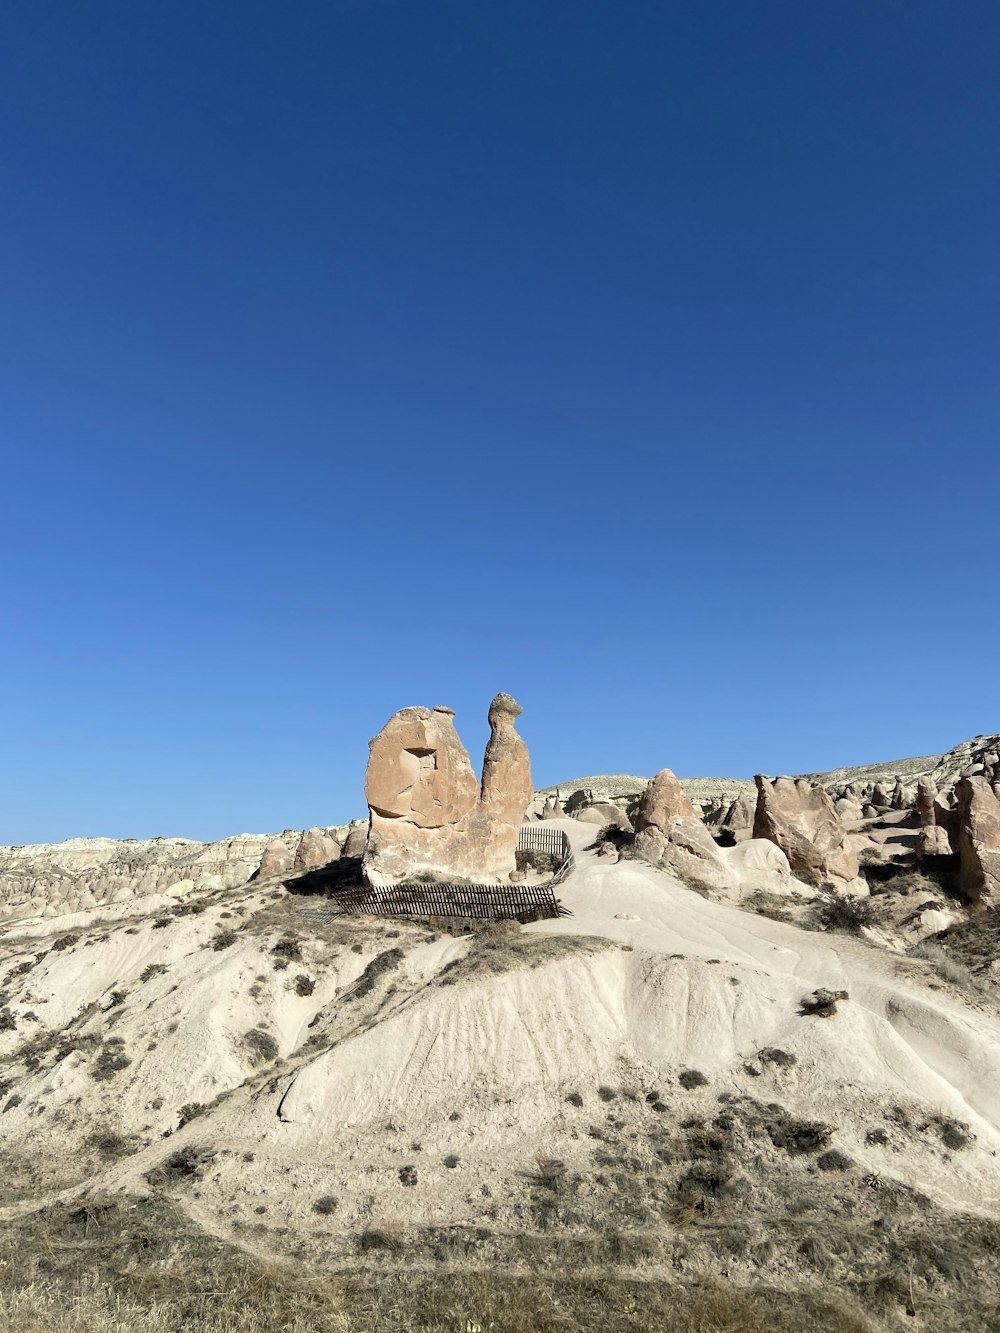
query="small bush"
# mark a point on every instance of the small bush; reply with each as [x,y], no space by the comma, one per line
[12,1101]
[574,1099]
[63,942]
[847,913]
[606,1094]
[303,985]
[224,939]
[7,1021]
[288,947]
[379,965]
[877,1137]
[953,1133]
[185,1164]
[408,1175]
[152,970]
[326,1205]
[188,1112]
[451,1161]
[773,1055]
[260,1046]
[117,998]
[692,1078]
[834,1160]
[798,1136]
[109,1144]
[111,1060]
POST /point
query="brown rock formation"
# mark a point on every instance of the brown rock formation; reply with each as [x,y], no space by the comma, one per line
[276,859]
[428,813]
[978,837]
[662,804]
[799,817]
[316,848]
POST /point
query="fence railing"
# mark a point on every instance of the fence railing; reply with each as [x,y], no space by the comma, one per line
[520,902]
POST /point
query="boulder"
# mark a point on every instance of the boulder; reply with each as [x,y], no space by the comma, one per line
[316,848]
[798,816]
[427,811]
[880,797]
[688,851]
[978,837]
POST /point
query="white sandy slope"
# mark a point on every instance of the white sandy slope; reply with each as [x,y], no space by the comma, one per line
[481,1069]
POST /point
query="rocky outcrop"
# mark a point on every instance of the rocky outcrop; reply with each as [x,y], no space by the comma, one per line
[978,837]
[798,816]
[428,813]
[277,859]
[671,836]
[316,848]
[662,804]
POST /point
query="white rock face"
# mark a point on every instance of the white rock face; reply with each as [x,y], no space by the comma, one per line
[43,879]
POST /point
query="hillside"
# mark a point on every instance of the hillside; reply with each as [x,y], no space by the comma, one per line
[632,1093]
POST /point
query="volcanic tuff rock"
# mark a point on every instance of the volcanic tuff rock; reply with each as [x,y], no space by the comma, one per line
[799,817]
[428,813]
[316,848]
[662,803]
[978,821]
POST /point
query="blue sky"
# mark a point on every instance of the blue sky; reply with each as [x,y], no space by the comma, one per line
[640,360]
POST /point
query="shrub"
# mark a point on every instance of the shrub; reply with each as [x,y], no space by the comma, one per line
[188,1112]
[117,998]
[847,913]
[692,1078]
[773,1055]
[107,1143]
[606,1094]
[379,965]
[574,1099]
[224,939]
[288,947]
[326,1205]
[408,1175]
[798,1136]
[111,1060]
[186,1164]
[152,970]
[7,1021]
[834,1160]
[954,1133]
[451,1161]
[303,985]
[260,1046]
[63,942]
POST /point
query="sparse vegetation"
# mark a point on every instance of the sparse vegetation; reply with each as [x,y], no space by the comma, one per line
[834,1160]
[408,1175]
[224,939]
[692,1078]
[288,947]
[846,912]
[110,1060]
[259,1046]
[773,1055]
[326,1205]
[152,970]
[948,968]
[303,985]
[377,968]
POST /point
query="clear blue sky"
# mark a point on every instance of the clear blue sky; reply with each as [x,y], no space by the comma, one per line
[639,359]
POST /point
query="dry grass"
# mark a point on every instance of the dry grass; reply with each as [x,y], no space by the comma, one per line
[130,1265]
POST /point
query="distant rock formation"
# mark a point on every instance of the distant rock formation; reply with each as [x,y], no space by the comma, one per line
[799,817]
[277,859]
[671,836]
[932,840]
[978,837]
[428,813]
[662,804]
[316,848]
